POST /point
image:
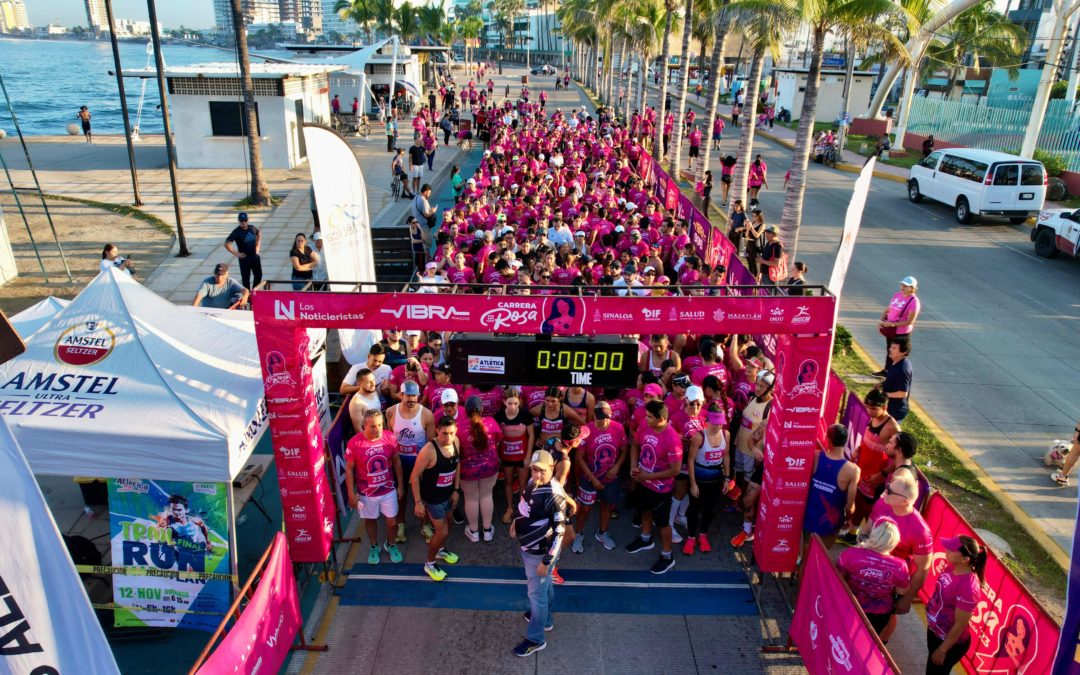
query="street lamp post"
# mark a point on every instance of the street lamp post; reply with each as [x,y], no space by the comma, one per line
[1063,10]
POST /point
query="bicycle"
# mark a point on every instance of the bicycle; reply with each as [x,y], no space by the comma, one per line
[362,126]
[395,186]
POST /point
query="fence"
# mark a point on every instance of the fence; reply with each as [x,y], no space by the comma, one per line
[980,126]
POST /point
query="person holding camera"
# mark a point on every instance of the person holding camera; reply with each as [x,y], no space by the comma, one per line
[110,257]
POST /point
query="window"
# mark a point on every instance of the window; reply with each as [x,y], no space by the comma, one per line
[930,161]
[1007,174]
[968,169]
[229,118]
[1031,174]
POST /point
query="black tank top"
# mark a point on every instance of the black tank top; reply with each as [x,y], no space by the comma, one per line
[437,482]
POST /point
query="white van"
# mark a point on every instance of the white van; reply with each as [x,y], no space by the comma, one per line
[980,182]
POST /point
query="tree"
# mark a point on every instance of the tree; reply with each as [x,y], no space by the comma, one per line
[669,25]
[361,12]
[978,37]
[432,18]
[386,16]
[260,192]
[716,11]
[408,23]
[684,77]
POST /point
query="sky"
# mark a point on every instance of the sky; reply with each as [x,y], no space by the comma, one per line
[171,13]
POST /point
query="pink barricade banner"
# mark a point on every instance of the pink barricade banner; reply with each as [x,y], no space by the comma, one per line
[1012,633]
[549,315]
[856,418]
[829,628]
[834,397]
[260,639]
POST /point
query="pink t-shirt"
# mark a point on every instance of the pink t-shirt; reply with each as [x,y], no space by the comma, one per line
[620,411]
[479,463]
[952,592]
[872,578]
[374,463]
[492,399]
[698,375]
[659,451]
[901,309]
[915,538]
[602,449]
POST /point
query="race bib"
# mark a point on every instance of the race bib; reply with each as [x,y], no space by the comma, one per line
[445,479]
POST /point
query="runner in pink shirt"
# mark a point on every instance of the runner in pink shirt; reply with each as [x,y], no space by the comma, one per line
[480,438]
[374,481]
[957,594]
[874,576]
[655,455]
[602,454]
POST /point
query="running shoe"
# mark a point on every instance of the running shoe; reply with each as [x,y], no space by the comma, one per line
[639,545]
[676,538]
[605,539]
[392,549]
[508,516]
[472,535]
[577,546]
[739,539]
[703,543]
[614,514]
[459,518]
[1060,478]
[489,533]
[688,547]
[556,578]
[434,571]
[447,557]
[428,531]
[528,618]
[373,555]
[637,521]
[662,565]
[400,538]
[528,648]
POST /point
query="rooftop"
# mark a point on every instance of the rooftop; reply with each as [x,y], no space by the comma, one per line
[228,69]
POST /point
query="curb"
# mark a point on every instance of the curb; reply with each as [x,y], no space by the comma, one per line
[1051,547]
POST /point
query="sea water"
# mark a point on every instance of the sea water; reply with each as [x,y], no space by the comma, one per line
[48,80]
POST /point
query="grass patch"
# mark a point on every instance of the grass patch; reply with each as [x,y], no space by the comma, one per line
[1071,203]
[950,476]
[121,209]
[246,203]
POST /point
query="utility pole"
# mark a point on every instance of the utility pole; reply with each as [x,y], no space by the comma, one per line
[1063,11]
[123,101]
[159,64]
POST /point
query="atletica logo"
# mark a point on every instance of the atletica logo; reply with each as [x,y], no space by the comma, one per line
[85,343]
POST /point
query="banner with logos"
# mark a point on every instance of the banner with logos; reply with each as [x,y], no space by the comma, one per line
[1068,656]
[259,641]
[1012,633]
[157,527]
[829,628]
[852,221]
[856,418]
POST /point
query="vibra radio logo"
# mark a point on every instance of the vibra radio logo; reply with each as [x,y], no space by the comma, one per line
[427,312]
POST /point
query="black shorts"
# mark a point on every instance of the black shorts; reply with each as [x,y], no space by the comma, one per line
[758,476]
[694,150]
[510,464]
[725,179]
[658,503]
[879,621]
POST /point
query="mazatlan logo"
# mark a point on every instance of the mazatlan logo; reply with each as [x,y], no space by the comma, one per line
[85,343]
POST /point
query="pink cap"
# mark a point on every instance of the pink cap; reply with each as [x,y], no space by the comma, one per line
[653,390]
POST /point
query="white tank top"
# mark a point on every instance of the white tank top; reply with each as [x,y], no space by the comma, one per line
[409,432]
[710,455]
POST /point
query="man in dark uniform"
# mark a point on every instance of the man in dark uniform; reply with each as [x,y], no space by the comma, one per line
[244,242]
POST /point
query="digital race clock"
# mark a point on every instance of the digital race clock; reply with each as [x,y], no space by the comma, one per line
[524,360]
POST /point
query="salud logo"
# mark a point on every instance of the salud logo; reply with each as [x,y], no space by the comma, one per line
[85,343]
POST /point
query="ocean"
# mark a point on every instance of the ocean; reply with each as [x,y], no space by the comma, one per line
[48,80]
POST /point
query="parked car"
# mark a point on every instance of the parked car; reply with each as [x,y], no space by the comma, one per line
[1057,231]
[545,69]
[980,182]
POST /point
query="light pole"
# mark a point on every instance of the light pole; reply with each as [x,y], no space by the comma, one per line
[1063,10]
[123,101]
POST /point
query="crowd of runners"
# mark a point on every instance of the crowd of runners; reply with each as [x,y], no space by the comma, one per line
[555,206]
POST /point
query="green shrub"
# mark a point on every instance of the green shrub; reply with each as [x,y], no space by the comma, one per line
[1055,164]
[842,341]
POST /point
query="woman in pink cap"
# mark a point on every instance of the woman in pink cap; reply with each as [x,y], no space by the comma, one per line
[900,315]
[709,466]
[956,595]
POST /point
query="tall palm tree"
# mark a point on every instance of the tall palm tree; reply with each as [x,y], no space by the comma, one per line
[979,37]
[717,13]
[669,25]
[361,12]
[684,78]
[431,18]
[386,15]
[260,192]
[408,22]
[647,30]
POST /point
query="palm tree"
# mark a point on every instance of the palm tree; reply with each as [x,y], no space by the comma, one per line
[669,25]
[470,29]
[386,16]
[408,23]
[431,19]
[684,77]
[362,12]
[717,11]
[980,37]
[646,32]
[867,17]
[260,192]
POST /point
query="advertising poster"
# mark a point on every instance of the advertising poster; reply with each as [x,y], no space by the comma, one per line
[173,537]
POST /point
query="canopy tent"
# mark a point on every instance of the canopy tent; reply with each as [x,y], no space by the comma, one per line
[31,319]
[55,630]
[122,383]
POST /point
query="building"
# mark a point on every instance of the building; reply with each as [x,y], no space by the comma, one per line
[130,28]
[13,18]
[791,83]
[96,19]
[332,23]
[306,14]
[1037,18]
[52,30]
[208,117]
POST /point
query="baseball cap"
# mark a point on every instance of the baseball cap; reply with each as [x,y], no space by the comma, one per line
[910,281]
[542,458]
[682,380]
[316,236]
[620,228]
[431,266]
[579,233]
[602,411]
[771,229]
[663,280]
[242,215]
[695,393]
[410,388]
[755,362]
[221,268]
[449,396]
[414,332]
[443,368]
[652,390]
[474,404]
[766,377]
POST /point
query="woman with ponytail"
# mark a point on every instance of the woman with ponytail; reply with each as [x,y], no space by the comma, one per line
[956,595]
[479,469]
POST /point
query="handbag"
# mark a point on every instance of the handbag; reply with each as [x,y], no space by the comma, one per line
[890,331]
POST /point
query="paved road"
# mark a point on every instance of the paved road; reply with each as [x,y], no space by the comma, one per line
[995,350]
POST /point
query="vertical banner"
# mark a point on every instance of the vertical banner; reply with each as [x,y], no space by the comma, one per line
[341,197]
[852,220]
[1067,661]
[180,527]
[856,418]
[828,627]
[322,394]
[259,641]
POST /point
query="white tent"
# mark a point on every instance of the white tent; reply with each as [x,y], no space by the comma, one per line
[31,319]
[122,383]
[54,629]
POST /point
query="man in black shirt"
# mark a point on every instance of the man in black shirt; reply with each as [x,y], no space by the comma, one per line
[897,384]
[244,243]
[417,159]
[539,524]
[772,257]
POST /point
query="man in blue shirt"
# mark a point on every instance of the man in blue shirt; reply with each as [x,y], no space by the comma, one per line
[220,291]
[244,243]
[897,384]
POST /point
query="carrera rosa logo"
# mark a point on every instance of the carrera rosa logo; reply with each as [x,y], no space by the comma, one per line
[85,343]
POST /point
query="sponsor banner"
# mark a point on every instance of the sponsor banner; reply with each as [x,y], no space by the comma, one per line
[852,220]
[336,440]
[1011,632]
[322,394]
[259,641]
[546,315]
[1068,656]
[829,628]
[172,527]
[487,365]
[830,409]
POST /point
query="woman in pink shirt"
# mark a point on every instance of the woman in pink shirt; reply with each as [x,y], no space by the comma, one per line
[480,440]
[899,317]
[874,576]
[956,595]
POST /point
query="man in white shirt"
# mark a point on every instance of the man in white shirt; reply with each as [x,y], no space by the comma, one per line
[431,276]
[561,234]
[629,280]
[374,363]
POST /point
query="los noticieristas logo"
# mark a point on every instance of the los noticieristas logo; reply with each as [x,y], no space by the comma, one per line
[42,393]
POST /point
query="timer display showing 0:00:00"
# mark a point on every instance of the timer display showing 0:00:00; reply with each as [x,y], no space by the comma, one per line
[579,360]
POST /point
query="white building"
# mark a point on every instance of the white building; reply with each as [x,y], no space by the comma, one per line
[791,84]
[332,23]
[13,18]
[96,20]
[307,15]
[368,77]
[208,113]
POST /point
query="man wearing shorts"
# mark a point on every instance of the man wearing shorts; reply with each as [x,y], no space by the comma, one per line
[436,488]
[655,455]
[417,160]
[413,425]
[750,444]
[603,453]
[373,479]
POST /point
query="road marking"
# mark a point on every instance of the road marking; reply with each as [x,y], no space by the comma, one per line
[927,211]
[522,582]
[1026,255]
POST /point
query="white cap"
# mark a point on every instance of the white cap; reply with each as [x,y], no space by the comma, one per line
[449,396]
[579,233]
[413,333]
[630,206]
[620,228]
[695,393]
[910,281]
[514,186]
[562,189]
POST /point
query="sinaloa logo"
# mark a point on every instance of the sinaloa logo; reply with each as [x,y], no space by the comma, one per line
[85,343]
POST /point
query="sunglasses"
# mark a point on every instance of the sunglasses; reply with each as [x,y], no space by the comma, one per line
[890,491]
